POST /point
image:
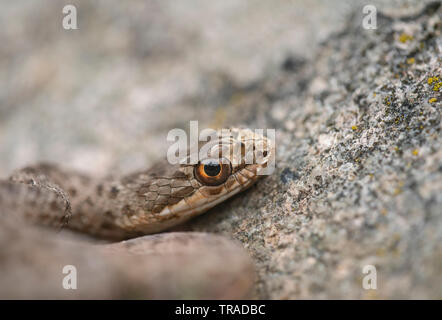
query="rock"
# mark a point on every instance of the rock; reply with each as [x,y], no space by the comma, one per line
[359,171]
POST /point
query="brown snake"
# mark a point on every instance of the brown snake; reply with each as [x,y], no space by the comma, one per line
[167,265]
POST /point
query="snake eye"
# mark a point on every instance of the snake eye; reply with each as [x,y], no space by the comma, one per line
[213,172]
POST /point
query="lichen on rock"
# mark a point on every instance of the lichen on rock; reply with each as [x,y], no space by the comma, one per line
[359,178]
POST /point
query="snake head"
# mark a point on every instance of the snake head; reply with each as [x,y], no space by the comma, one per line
[229,163]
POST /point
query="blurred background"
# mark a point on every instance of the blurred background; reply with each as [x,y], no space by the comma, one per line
[103,97]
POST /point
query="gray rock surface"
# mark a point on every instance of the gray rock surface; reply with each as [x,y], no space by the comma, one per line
[357,112]
[359,175]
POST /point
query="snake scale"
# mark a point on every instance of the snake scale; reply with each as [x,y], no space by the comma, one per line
[131,261]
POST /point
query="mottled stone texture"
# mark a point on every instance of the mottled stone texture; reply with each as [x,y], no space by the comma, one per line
[359,177]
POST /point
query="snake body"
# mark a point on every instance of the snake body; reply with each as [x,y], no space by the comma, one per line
[141,203]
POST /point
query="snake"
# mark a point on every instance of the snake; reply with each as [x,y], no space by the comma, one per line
[116,232]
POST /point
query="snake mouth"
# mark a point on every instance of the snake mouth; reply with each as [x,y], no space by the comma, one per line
[189,207]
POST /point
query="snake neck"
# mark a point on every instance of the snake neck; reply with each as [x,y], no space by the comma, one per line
[45,194]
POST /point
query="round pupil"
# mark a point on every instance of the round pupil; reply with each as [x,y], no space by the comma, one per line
[212,169]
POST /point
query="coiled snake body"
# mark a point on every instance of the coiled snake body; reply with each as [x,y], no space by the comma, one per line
[166,265]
